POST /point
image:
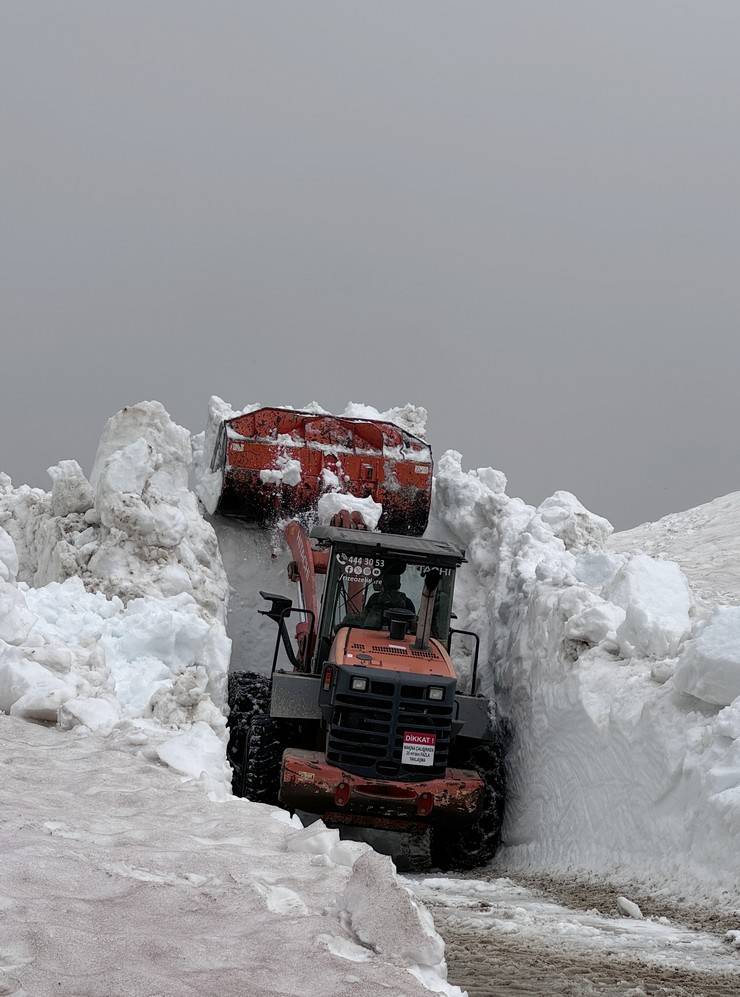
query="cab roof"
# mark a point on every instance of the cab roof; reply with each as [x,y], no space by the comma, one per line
[437,550]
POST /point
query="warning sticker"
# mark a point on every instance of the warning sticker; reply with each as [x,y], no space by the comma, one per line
[418,748]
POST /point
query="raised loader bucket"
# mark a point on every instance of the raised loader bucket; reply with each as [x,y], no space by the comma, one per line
[277,463]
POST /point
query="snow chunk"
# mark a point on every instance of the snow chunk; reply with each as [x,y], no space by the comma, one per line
[629,908]
[149,421]
[27,689]
[657,602]
[709,667]
[386,917]
[331,503]
[122,503]
[572,522]
[329,480]
[316,839]
[87,711]
[287,471]
[70,489]
[412,418]
[593,619]
[8,558]
[195,752]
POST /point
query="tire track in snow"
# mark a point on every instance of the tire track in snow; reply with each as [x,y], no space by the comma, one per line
[503,937]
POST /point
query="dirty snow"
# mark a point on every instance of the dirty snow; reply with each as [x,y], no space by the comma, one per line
[505,937]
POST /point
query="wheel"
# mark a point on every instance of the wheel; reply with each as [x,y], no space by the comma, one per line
[249,696]
[475,844]
[263,752]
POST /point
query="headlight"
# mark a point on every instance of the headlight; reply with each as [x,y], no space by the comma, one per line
[436,692]
[358,683]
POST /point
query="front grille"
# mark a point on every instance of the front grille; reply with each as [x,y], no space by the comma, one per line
[366,730]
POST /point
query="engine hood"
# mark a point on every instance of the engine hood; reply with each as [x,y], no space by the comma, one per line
[375,649]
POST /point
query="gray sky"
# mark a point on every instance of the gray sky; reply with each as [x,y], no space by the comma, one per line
[523,215]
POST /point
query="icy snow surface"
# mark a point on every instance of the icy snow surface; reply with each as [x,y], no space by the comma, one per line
[623,762]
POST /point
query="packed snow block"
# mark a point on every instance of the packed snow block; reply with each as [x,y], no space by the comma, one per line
[149,421]
[727,723]
[412,418]
[8,558]
[590,619]
[597,568]
[195,752]
[88,711]
[15,620]
[657,602]
[27,689]
[629,908]
[287,471]
[571,522]
[386,917]
[316,839]
[186,701]
[70,489]
[128,499]
[709,667]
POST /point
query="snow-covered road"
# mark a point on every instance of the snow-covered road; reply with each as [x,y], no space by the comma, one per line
[504,937]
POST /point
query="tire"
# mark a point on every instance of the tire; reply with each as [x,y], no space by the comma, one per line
[263,752]
[249,697]
[473,845]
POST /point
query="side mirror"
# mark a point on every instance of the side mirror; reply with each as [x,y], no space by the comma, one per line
[280,608]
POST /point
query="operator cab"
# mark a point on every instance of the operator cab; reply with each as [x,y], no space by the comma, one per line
[376,583]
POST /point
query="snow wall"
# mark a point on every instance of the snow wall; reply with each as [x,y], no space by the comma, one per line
[622,691]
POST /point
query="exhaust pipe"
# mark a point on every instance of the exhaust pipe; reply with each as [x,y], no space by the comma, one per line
[426,610]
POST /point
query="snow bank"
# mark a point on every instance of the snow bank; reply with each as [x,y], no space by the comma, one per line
[113,596]
[184,872]
[133,530]
[622,762]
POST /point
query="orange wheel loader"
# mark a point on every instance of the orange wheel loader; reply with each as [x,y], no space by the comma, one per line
[358,717]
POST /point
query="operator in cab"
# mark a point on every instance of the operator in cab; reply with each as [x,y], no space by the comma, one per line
[389,596]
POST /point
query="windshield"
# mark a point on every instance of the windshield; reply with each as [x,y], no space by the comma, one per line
[368,587]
